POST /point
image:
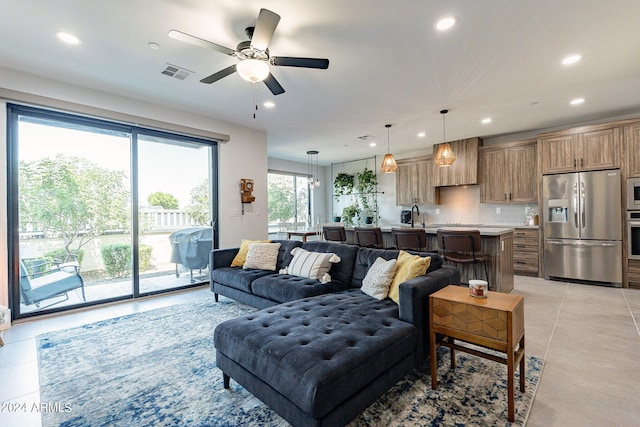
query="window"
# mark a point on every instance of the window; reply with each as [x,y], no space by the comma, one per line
[289,202]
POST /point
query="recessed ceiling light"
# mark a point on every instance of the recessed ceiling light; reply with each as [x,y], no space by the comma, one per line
[372,144]
[486,120]
[422,134]
[269,104]
[571,59]
[577,101]
[153,45]
[446,23]
[68,37]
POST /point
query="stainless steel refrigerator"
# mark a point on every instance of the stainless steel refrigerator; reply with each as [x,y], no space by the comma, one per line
[582,226]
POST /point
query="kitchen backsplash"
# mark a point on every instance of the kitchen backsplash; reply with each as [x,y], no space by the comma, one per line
[462,205]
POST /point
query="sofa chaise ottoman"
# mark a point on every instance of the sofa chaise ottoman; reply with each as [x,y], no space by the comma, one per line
[318,361]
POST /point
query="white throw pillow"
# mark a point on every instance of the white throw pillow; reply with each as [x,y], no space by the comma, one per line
[379,277]
[313,265]
[263,256]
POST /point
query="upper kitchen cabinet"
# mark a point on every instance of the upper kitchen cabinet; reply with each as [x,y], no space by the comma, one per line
[413,182]
[581,149]
[465,170]
[632,142]
[508,173]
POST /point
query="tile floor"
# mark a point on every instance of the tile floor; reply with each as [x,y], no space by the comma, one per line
[589,337]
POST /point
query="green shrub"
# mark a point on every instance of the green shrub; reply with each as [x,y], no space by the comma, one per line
[145,257]
[60,255]
[117,258]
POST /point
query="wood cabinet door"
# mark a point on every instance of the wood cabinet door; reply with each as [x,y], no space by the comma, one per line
[559,154]
[599,149]
[465,169]
[493,177]
[426,192]
[632,142]
[405,184]
[521,162]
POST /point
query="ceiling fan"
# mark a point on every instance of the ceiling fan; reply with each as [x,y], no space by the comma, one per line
[253,54]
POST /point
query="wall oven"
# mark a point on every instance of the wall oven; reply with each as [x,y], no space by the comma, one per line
[633,194]
[633,234]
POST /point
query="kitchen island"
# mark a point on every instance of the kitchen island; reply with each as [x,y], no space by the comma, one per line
[496,241]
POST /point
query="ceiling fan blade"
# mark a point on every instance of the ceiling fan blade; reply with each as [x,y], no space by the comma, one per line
[188,38]
[219,75]
[273,85]
[287,61]
[265,27]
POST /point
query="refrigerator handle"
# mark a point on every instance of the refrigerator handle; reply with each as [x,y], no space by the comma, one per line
[582,204]
[575,204]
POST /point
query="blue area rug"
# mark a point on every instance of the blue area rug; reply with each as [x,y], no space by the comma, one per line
[157,368]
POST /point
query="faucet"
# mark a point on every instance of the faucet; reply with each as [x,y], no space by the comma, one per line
[417,213]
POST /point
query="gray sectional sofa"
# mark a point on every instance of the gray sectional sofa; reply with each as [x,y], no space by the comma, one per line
[319,354]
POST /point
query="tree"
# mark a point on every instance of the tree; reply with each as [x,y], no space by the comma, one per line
[199,205]
[72,198]
[164,200]
[280,202]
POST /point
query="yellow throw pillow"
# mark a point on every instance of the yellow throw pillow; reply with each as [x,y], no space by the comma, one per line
[241,256]
[409,266]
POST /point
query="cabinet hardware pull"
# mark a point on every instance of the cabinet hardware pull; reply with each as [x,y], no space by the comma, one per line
[574,163]
[581,162]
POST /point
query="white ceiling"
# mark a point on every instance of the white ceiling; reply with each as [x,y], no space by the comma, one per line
[388,64]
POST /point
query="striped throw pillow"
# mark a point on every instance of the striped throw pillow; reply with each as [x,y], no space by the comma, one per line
[313,265]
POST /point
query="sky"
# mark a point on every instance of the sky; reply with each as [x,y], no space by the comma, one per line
[169,168]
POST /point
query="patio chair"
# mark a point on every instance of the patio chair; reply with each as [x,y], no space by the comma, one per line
[37,285]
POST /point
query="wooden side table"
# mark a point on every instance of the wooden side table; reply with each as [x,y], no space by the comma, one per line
[495,322]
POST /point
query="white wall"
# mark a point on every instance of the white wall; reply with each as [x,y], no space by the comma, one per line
[244,156]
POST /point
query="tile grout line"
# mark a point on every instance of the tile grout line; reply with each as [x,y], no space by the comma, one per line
[635,322]
[555,324]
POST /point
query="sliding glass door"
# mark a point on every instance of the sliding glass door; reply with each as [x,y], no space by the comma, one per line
[175,231]
[101,211]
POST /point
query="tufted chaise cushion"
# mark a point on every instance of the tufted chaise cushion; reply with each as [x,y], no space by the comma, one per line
[318,352]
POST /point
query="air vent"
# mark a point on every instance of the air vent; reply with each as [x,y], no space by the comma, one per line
[366,137]
[176,72]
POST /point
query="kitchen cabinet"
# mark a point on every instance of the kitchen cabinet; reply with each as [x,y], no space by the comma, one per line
[581,149]
[632,142]
[508,173]
[634,273]
[526,251]
[413,182]
[465,169]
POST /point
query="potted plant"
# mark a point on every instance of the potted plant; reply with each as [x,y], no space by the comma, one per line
[343,184]
[348,213]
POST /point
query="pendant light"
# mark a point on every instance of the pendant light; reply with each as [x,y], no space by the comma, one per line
[314,179]
[444,156]
[389,164]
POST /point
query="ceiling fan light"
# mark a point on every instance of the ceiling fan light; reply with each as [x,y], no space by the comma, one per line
[444,155]
[253,70]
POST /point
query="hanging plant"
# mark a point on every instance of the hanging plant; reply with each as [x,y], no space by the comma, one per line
[367,182]
[343,184]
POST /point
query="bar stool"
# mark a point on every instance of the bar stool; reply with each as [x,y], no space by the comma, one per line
[409,238]
[462,247]
[370,237]
[334,233]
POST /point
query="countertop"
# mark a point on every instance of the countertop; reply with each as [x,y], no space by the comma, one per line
[433,228]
